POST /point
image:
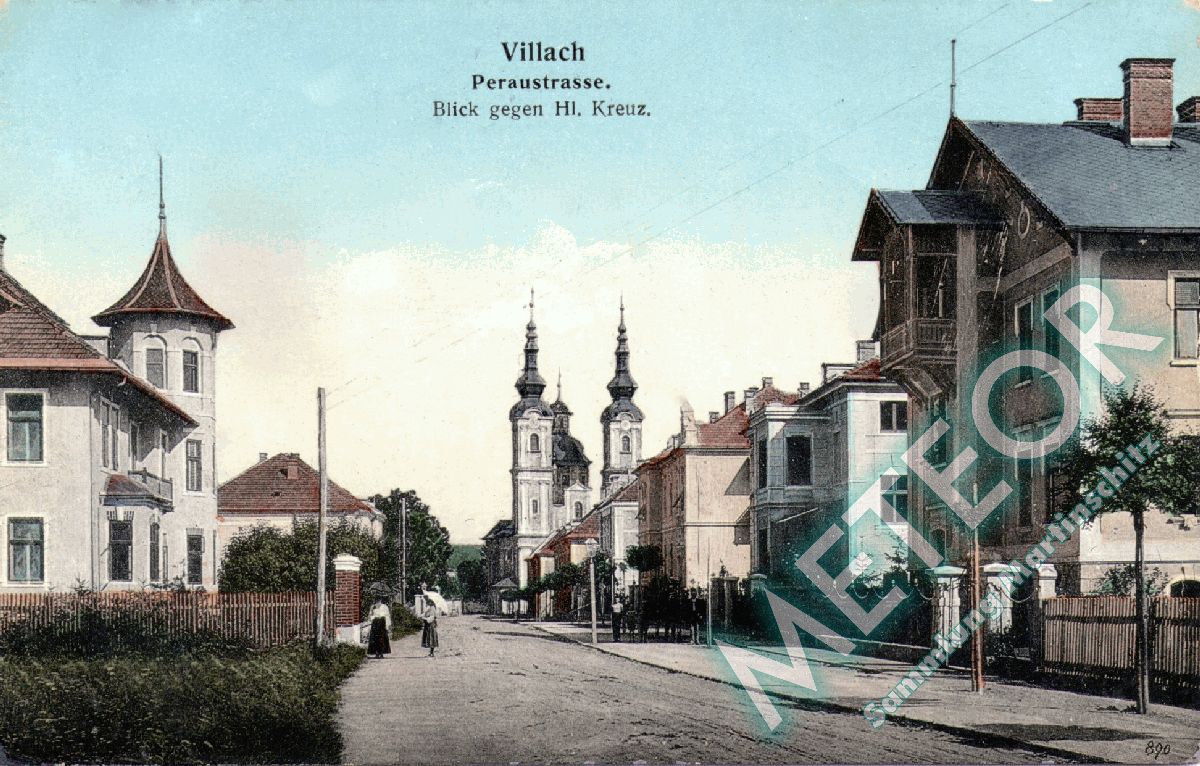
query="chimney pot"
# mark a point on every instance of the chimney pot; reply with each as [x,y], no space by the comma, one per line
[1189,111]
[713,416]
[262,456]
[803,388]
[730,400]
[1100,109]
[1148,101]
[767,382]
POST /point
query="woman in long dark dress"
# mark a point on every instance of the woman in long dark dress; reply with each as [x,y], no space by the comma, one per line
[378,643]
[429,636]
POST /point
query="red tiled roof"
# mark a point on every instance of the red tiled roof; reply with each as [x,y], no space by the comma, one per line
[266,488]
[588,526]
[727,431]
[161,289]
[772,395]
[867,371]
[32,337]
[628,494]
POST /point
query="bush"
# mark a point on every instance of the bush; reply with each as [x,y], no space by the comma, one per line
[276,706]
[404,622]
[265,559]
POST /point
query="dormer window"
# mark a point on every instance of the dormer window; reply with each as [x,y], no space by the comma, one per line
[535,443]
[156,366]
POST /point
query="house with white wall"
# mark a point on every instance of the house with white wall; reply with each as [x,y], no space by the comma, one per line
[108,451]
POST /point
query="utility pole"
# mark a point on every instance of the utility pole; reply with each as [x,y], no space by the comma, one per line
[977,637]
[404,550]
[324,508]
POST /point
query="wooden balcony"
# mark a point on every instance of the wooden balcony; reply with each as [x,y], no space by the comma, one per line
[163,489]
[919,340]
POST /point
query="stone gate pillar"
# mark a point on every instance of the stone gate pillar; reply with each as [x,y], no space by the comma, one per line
[947,606]
[998,582]
[347,598]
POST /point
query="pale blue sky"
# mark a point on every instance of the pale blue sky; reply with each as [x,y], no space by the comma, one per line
[299,137]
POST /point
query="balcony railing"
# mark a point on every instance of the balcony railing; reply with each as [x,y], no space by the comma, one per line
[163,489]
[921,337]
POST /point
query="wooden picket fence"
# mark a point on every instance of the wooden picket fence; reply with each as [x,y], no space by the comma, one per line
[261,619]
[1093,637]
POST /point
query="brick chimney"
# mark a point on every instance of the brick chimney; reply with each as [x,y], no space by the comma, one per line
[2,239]
[713,416]
[803,388]
[1189,111]
[864,350]
[1148,101]
[767,382]
[262,456]
[730,400]
[1100,109]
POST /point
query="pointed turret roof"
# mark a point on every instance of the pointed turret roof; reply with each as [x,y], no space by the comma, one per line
[530,384]
[161,289]
[622,387]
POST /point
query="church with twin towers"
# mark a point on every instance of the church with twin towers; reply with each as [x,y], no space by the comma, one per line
[552,483]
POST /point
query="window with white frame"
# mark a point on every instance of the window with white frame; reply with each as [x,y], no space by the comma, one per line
[25,414]
[191,372]
[1050,339]
[154,551]
[535,443]
[164,448]
[626,445]
[115,436]
[156,366]
[893,416]
[194,465]
[799,461]
[1187,317]
[105,434]
[120,550]
[195,558]
[26,550]
[894,490]
[1023,329]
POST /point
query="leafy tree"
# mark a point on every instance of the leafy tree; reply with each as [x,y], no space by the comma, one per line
[472,577]
[427,540]
[268,559]
[1121,579]
[1165,482]
[644,558]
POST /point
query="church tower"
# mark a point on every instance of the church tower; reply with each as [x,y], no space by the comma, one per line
[532,455]
[621,422]
[166,334]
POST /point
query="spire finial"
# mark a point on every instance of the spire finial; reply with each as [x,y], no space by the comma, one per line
[953,74]
[162,206]
[560,384]
[530,304]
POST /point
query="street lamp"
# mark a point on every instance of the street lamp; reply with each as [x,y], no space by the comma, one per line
[592,547]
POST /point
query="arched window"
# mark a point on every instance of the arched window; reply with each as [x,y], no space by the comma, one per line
[191,366]
[625,444]
[578,510]
[156,362]
[535,443]
[533,507]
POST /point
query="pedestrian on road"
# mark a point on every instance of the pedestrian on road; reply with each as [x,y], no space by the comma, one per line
[618,614]
[429,636]
[378,644]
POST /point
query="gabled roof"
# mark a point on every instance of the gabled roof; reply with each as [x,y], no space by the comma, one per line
[161,289]
[284,484]
[1088,177]
[32,337]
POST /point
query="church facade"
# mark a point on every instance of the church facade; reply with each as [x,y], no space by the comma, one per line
[552,487]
